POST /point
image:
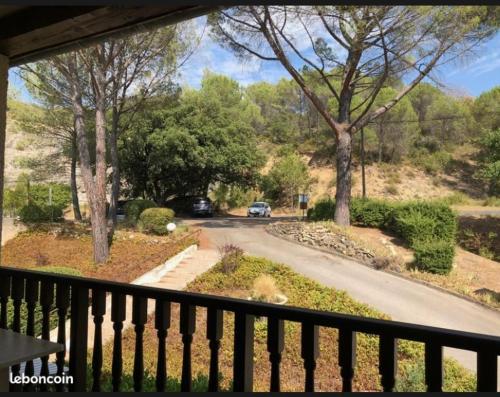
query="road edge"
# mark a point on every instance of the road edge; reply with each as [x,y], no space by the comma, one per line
[421,282]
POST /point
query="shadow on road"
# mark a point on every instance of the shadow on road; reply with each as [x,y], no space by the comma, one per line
[233,221]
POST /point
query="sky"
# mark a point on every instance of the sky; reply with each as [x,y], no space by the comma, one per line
[471,76]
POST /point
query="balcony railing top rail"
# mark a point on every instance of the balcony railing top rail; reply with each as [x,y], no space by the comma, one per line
[17,282]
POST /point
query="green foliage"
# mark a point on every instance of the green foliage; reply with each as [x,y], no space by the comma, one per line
[428,221]
[323,210]
[456,378]
[155,220]
[433,162]
[33,213]
[486,109]
[288,177]
[61,194]
[372,213]
[182,147]
[489,170]
[37,195]
[134,208]
[434,256]
[430,228]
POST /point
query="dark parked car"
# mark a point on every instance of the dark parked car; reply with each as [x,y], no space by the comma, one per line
[202,206]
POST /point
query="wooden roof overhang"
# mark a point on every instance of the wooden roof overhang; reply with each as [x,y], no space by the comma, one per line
[29,33]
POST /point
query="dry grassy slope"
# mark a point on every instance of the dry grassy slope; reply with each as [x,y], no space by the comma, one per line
[410,182]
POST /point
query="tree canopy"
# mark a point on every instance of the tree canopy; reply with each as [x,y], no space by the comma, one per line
[183,145]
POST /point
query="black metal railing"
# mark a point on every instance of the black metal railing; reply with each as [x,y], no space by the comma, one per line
[77,294]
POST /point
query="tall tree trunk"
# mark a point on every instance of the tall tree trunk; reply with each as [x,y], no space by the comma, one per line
[74,188]
[115,178]
[99,240]
[343,194]
[99,219]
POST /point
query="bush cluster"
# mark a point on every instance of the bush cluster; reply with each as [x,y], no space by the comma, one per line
[33,213]
[430,228]
[134,208]
[155,220]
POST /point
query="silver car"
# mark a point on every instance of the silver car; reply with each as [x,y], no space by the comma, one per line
[259,208]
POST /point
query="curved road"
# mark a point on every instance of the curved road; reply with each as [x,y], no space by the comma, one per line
[402,299]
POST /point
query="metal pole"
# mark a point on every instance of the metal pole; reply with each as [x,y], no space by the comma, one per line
[4,77]
[363,178]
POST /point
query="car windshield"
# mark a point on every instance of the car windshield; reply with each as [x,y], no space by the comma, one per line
[258,205]
[201,201]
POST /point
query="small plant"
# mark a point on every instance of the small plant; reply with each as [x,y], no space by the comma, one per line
[265,290]
[485,252]
[230,257]
[492,202]
[155,220]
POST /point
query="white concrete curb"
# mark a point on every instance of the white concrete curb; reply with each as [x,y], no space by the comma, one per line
[154,275]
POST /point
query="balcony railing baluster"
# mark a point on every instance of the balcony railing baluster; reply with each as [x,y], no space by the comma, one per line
[98,311]
[17,300]
[62,304]
[162,324]
[187,329]
[275,346]
[4,299]
[214,335]
[243,352]
[46,302]
[487,368]
[31,298]
[434,366]
[388,362]
[310,353]
[347,357]
[139,318]
[118,311]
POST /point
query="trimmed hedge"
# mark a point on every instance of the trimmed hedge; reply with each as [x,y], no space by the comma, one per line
[322,211]
[429,228]
[155,220]
[373,213]
[434,256]
[134,208]
[33,213]
[426,221]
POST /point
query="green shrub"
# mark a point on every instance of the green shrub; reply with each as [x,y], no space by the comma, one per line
[134,208]
[33,213]
[430,228]
[372,213]
[434,256]
[155,220]
[322,211]
[426,221]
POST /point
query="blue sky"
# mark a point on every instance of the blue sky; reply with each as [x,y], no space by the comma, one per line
[473,75]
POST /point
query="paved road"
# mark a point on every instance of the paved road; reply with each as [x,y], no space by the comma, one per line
[402,299]
[479,212]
